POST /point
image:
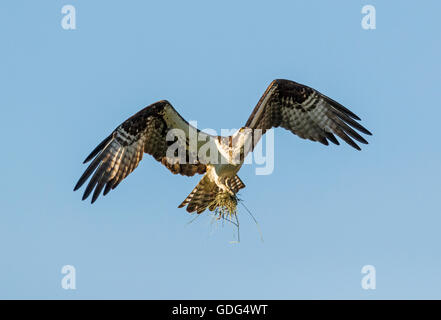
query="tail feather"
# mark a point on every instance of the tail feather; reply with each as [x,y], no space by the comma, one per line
[205,192]
[201,196]
[235,184]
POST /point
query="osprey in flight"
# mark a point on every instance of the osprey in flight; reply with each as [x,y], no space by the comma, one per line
[153,130]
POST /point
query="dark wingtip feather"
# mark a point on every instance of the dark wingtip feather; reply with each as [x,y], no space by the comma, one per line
[80,182]
[323,141]
[98,148]
[85,195]
[350,121]
[356,136]
[88,172]
[96,194]
[351,142]
[332,138]
[99,188]
[363,129]
[108,187]
[93,182]
[347,129]
[91,168]
[354,145]
[342,134]
[341,108]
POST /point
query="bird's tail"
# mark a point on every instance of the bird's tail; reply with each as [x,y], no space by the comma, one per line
[205,193]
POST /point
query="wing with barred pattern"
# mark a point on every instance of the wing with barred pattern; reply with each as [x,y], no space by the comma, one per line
[307,113]
[120,153]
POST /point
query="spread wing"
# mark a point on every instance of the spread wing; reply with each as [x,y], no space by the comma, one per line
[306,113]
[145,132]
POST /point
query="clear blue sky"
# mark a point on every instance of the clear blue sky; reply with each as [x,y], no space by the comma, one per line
[324,212]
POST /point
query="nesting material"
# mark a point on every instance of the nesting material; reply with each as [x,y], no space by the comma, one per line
[224,205]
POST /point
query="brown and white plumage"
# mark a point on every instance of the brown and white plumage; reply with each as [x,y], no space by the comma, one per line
[295,107]
[306,113]
[120,153]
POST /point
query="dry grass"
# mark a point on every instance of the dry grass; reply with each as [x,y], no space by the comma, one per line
[224,206]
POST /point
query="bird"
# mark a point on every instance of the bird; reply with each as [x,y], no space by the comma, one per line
[160,131]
